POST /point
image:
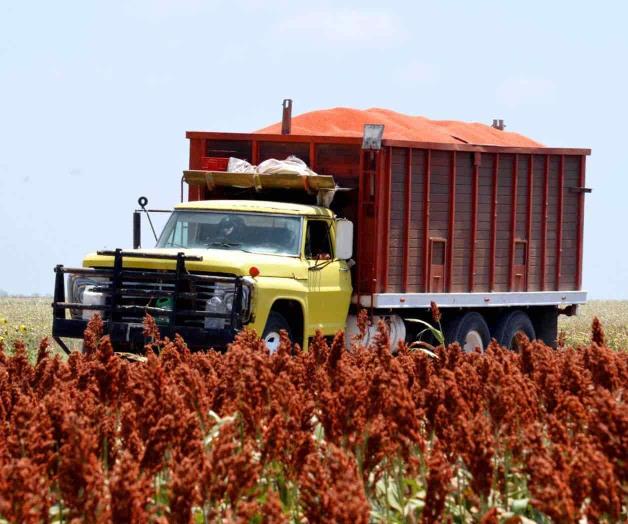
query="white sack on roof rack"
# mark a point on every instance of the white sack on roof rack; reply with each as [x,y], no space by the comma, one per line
[291,165]
[237,165]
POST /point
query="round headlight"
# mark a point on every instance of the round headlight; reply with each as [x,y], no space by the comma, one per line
[76,290]
[229,302]
[215,301]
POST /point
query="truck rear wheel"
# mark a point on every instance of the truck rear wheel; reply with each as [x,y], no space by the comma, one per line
[271,336]
[469,330]
[509,325]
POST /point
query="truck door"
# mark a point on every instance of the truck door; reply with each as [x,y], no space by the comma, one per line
[329,280]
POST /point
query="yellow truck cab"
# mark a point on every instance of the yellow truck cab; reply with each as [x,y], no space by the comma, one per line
[220,266]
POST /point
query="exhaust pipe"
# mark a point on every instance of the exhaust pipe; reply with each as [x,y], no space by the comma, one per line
[137,229]
[498,124]
[286,119]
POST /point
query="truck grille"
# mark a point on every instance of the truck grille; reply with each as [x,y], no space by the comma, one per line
[176,298]
[198,302]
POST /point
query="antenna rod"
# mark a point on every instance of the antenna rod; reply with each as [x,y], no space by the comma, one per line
[142,201]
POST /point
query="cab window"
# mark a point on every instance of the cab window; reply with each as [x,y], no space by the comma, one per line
[318,240]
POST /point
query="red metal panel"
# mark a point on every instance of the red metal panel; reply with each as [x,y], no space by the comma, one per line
[491,285]
[529,217]
[452,221]
[474,218]
[312,156]
[384,251]
[386,143]
[255,152]
[360,229]
[210,163]
[486,149]
[197,149]
[369,262]
[513,222]
[544,224]
[262,137]
[583,160]
[406,221]
[426,219]
[559,221]
[380,210]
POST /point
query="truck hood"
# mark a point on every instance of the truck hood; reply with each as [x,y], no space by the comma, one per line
[230,261]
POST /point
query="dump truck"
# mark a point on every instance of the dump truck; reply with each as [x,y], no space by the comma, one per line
[388,219]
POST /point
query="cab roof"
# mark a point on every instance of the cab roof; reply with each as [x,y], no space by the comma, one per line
[257,206]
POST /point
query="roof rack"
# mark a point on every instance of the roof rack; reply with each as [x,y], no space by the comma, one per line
[323,186]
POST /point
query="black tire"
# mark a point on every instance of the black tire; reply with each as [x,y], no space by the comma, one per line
[511,323]
[275,323]
[470,324]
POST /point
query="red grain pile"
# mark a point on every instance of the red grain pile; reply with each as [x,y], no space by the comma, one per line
[344,121]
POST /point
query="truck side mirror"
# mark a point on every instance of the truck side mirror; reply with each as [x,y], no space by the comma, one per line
[344,239]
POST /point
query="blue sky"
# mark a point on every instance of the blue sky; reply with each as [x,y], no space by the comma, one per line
[95,99]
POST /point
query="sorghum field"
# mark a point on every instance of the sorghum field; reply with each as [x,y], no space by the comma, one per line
[29,319]
[327,435]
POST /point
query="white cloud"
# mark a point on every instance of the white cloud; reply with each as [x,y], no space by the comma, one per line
[523,90]
[372,28]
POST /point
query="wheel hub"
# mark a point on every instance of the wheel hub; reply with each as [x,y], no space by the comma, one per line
[272,341]
[473,340]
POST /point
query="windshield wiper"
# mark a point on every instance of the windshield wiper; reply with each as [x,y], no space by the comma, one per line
[224,244]
[229,245]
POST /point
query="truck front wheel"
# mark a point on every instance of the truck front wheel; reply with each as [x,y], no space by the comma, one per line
[469,330]
[275,323]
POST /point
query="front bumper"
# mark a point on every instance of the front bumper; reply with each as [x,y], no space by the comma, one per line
[133,333]
[179,301]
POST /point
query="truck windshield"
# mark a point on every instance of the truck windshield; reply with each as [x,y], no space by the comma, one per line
[250,232]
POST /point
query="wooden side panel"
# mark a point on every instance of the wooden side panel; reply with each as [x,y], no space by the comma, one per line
[417,208]
[483,246]
[519,248]
[439,209]
[535,249]
[397,213]
[552,223]
[439,194]
[464,207]
[521,216]
[581,183]
[569,260]
[504,237]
